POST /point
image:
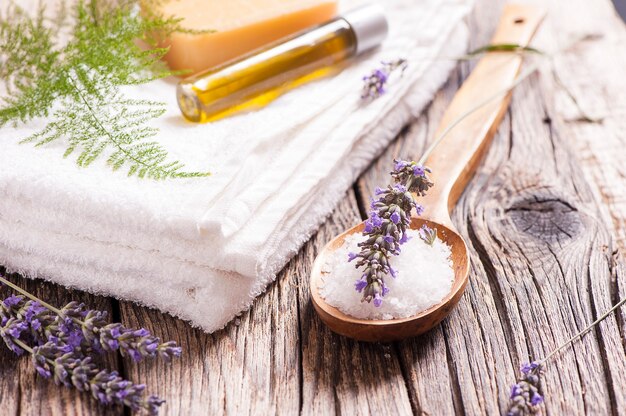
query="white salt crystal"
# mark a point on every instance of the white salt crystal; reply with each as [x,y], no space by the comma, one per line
[424,278]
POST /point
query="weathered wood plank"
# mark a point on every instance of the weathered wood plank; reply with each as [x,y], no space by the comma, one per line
[424,361]
[22,392]
[250,367]
[545,255]
[559,286]
[592,73]
[341,375]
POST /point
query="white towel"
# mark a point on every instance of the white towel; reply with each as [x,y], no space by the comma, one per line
[202,249]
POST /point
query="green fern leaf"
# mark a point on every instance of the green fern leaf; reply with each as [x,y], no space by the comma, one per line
[84,76]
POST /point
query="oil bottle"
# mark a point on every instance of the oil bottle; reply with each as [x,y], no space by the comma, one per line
[259,77]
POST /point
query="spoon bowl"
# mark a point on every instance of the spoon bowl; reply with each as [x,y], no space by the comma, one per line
[394,329]
[463,137]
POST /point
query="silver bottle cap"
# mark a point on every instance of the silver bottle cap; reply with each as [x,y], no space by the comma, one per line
[369,25]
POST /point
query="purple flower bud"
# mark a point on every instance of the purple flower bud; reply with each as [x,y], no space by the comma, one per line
[352,256]
[75,338]
[35,324]
[378,300]
[153,404]
[405,237]
[536,400]
[526,368]
[385,290]
[418,170]
[374,84]
[399,188]
[12,301]
[43,372]
[142,332]
[115,330]
[359,285]
[168,350]
[377,221]
[395,218]
[373,222]
[400,164]
[134,354]
[525,394]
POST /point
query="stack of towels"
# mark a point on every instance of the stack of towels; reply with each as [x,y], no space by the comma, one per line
[202,249]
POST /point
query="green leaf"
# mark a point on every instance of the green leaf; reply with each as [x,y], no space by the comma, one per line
[504,47]
[81,80]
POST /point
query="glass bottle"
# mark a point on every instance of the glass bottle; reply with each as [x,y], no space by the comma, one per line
[256,79]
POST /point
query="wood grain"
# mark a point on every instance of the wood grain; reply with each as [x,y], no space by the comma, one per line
[341,375]
[544,217]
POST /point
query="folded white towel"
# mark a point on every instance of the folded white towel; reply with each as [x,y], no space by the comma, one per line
[202,249]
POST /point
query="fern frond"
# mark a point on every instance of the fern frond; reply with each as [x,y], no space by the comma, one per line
[103,122]
[85,75]
[28,59]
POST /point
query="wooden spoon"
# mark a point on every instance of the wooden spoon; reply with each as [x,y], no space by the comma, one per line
[453,162]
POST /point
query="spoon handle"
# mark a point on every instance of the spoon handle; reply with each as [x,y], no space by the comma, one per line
[455,159]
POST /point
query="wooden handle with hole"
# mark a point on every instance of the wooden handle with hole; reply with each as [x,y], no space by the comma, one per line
[456,157]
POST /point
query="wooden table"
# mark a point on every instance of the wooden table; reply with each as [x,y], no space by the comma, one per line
[544,219]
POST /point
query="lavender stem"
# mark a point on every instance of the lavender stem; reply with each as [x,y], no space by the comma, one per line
[30,296]
[25,347]
[515,83]
[470,111]
[584,331]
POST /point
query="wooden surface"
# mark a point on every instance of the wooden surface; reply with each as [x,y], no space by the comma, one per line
[544,219]
[478,107]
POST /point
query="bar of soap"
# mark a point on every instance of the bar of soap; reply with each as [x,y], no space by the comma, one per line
[239,26]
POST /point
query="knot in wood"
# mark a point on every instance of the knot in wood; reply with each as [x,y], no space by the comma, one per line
[550,220]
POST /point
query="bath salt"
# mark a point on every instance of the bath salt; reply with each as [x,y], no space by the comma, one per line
[424,278]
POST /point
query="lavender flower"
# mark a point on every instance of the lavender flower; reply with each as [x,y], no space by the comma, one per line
[11,327]
[63,341]
[137,344]
[374,83]
[360,284]
[82,329]
[28,318]
[12,301]
[74,369]
[525,395]
[428,235]
[386,228]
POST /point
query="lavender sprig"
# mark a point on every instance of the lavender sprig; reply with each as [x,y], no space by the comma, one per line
[63,341]
[74,369]
[428,235]
[134,343]
[525,395]
[386,228]
[84,329]
[374,83]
